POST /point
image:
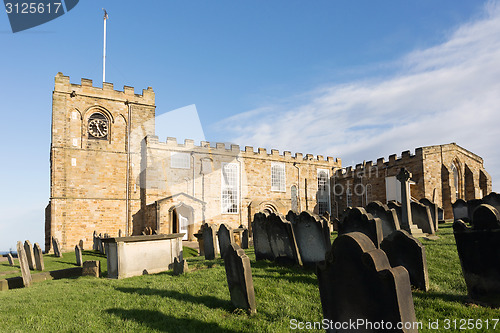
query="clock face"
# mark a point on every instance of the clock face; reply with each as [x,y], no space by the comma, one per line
[98,128]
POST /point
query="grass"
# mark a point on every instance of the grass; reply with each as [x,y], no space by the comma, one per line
[199,301]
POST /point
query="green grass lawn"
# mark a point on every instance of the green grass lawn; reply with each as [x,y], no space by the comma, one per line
[199,300]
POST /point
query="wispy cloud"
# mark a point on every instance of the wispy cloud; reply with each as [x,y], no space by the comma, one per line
[446,93]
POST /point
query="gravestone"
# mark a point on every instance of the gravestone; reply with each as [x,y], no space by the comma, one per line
[492,199]
[28,249]
[56,247]
[95,245]
[311,238]
[478,248]
[357,282]
[119,232]
[472,205]
[244,239]
[421,216]
[440,215]
[100,244]
[78,254]
[91,268]
[357,219]
[404,177]
[433,208]
[402,249]
[460,210]
[261,242]
[23,262]
[225,237]
[209,246]
[397,207]
[11,260]
[80,243]
[180,267]
[239,278]
[281,239]
[39,264]
[388,216]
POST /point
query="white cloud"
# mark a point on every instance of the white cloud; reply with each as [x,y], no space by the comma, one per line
[446,93]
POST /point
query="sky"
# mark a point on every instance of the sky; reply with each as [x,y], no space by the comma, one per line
[356,80]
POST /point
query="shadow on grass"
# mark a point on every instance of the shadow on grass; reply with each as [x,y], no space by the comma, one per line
[432,295]
[165,323]
[208,301]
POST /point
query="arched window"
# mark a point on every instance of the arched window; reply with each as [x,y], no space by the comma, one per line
[348,193]
[456,180]
[293,194]
[98,127]
[368,193]
[323,195]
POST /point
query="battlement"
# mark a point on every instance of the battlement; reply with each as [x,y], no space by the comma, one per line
[221,148]
[369,167]
[86,88]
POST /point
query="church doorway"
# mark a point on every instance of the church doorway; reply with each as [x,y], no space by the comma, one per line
[181,217]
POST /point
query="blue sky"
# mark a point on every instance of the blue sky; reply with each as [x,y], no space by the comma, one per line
[355,80]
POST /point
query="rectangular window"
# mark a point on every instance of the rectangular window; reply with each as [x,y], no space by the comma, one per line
[392,189]
[230,188]
[278,177]
[323,191]
[180,160]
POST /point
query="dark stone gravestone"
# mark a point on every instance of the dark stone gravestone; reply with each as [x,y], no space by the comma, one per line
[11,260]
[472,205]
[335,224]
[180,267]
[402,249]
[440,215]
[478,248]
[357,219]
[56,247]
[78,254]
[261,242]
[460,210]
[357,282]
[225,237]
[91,268]
[492,199]
[282,240]
[292,216]
[80,243]
[119,232]
[100,244]
[28,249]
[209,245]
[244,239]
[23,262]
[399,212]
[95,245]
[239,278]
[388,216]
[433,208]
[311,238]
[39,263]
[421,216]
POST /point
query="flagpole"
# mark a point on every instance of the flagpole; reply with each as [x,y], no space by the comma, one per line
[104,48]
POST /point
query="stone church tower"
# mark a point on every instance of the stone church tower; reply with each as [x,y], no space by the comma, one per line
[95,159]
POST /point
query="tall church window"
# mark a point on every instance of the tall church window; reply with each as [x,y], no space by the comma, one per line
[180,160]
[229,188]
[278,177]
[348,193]
[293,194]
[368,193]
[323,191]
[456,178]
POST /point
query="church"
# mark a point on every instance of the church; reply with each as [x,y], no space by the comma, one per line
[110,173]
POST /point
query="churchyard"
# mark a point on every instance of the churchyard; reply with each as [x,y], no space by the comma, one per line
[199,300]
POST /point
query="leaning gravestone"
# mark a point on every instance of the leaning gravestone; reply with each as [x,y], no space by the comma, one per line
[478,248]
[28,249]
[433,208]
[402,249]
[357,282]
[421,216]
[11,260]
[225,237]
[282,240]
[260,239]
[388,216]
[39,264]
[357,219]
[310,237]
[78,255]
[460,210]
[209,241]
[23,262]
[239,278]
[56,246]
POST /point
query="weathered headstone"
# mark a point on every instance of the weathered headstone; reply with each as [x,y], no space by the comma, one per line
[39,263]
[433,208]
[80,243]
[100,244]
[95,245]
[282,240]
[119,232]
[421,216]
[388,216]
[11,260]
[239,278]
[440,215]
[23,262]
[244,239]
[225,237]
[56,247]
[478,248]
[357,282]
[399,213]
[460,210]
[492,199]
[209,240]
[472,205]
[402,249]
[357,219]
[180,267]
[28,249]
[261,242]
[78,255]
[91,268]
[311,238]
